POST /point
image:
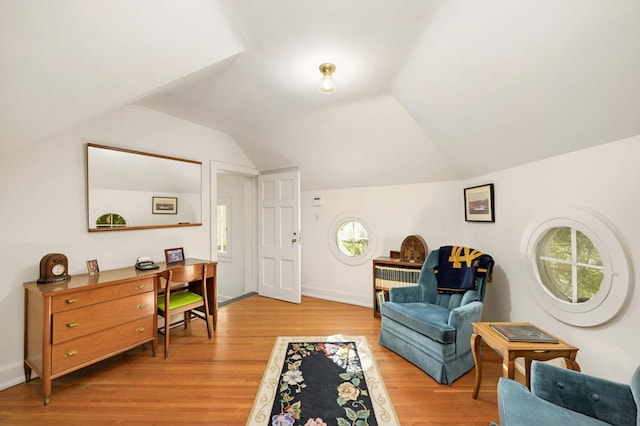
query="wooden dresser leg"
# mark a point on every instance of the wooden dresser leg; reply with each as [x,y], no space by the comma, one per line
[46,390]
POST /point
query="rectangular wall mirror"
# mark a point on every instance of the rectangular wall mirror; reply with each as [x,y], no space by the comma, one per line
[137,190]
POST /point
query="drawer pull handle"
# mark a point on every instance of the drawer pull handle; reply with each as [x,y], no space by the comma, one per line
[140,330]
[70,301]
[140,286]
[73,324]
[71,353]
[141,305]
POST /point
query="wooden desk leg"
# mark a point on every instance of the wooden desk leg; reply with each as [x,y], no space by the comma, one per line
[477,359]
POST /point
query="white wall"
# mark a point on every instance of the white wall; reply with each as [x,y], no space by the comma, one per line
[604,179]
[433,210]
[43,208]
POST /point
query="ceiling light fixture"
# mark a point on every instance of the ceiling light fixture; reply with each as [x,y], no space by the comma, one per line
[327,86]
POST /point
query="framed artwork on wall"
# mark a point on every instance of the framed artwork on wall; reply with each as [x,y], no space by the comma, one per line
[164,205]
[479,204]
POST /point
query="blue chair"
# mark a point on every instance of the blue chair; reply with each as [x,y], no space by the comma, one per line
[565,397]
[431,328]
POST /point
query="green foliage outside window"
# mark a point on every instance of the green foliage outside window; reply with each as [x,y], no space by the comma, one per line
[110,220]
[570,265]
[352,238]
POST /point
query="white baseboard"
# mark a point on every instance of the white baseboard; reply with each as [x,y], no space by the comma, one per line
[12,375]
[339,296]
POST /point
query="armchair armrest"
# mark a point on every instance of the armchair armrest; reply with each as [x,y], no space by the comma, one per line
[595,397]
[461,318]
[405,294]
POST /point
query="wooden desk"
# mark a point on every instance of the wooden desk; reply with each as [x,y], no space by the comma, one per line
[512,350]
[78,322]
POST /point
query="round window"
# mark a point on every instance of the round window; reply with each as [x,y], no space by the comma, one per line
[577,267]
[352,240]
[569,264]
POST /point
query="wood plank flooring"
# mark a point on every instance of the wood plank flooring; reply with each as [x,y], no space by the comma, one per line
[214,382]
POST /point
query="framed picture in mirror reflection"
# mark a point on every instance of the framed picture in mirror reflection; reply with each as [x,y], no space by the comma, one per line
[165,205]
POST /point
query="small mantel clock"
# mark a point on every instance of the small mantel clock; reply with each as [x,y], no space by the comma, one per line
[53,267]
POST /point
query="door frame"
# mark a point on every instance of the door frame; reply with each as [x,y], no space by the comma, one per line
[251,224]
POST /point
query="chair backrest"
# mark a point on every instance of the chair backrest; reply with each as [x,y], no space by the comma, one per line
[184,274]
[429,284]
[635,390]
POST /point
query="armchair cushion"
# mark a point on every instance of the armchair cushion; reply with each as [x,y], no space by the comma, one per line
[427,319]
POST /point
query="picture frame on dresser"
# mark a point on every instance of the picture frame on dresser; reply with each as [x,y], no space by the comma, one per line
[92,267]
[174,255]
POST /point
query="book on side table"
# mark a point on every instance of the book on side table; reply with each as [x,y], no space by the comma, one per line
[523,333]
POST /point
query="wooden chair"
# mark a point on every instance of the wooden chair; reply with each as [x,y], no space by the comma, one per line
[181,300]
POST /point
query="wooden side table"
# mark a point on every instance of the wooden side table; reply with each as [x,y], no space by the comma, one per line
[512,350]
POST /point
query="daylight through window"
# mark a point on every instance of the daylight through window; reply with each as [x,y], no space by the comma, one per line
[111,220]
[352,238]
[569,264]
[578,269]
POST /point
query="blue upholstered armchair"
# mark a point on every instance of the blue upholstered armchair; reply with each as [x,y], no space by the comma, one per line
[430,324]
[566,397]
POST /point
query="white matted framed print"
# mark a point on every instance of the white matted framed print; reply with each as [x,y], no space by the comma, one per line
[164,205]
[479,204]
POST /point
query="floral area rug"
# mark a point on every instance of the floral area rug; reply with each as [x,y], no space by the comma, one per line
[322,381]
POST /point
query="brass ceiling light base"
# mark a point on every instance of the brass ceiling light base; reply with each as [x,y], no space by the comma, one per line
[327,68]
[327,86]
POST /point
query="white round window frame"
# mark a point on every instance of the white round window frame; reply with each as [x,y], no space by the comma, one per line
[333,241]
[616,275]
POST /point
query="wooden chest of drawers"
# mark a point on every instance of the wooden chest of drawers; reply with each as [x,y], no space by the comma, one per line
[79,322]
[86,319]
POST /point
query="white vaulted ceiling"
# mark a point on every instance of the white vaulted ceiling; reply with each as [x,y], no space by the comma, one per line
[426,90]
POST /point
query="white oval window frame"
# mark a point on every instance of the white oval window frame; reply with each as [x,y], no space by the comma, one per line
[612,295]
[371,231]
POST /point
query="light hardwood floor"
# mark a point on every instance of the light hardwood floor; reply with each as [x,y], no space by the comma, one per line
[214,382]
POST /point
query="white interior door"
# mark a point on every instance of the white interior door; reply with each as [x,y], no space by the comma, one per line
[279,236]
